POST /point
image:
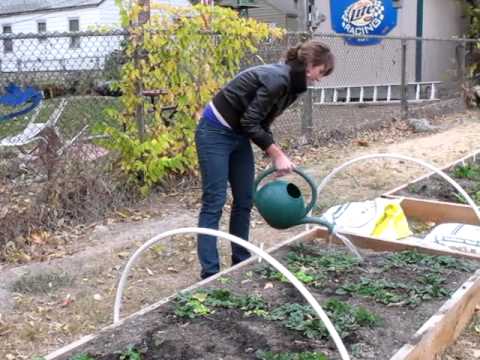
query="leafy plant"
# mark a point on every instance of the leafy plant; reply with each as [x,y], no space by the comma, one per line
[192,305]
[305,275]
[467,171]
[202,303]
[190,53]
[334,261]
[345,317]
[82,357]
[311,268]
[131,354]
[427,287]
[431,287]
[472,12]
[410,259]
[268,355]
[381,291]
[475,197]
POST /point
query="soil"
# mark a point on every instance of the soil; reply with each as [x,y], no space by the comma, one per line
[467,347]
[435,187]
[76,297]
[229,334]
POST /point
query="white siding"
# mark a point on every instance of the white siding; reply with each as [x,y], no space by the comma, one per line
[442,18]
[380,64]
[268,14]
[108,14]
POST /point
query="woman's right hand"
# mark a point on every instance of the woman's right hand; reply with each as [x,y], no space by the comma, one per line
[281,162]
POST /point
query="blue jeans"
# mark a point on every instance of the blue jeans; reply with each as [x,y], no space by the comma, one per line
[224,156]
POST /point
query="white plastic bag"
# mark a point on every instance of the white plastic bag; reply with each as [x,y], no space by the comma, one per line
[460,237]
[381,217]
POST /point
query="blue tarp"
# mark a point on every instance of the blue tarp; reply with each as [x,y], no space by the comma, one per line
[15,97]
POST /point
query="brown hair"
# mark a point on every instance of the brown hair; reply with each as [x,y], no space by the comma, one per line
[311,52]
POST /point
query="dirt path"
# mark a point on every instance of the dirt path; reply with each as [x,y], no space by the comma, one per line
[44,306]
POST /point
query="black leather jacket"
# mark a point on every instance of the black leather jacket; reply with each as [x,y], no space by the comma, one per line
[255,97]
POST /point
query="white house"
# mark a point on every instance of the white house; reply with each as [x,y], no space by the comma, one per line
[54,53]
[426,61]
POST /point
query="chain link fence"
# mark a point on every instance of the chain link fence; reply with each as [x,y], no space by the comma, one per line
[68,70]
[53,101]
[57,138]
[397,79]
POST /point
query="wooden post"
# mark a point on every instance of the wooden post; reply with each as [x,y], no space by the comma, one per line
[143,18]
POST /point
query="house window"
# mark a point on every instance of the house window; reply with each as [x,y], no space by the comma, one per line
[42,28]
[7,43]
[74,26]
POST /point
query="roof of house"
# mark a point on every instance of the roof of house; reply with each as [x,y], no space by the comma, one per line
[14,7]
[285,6]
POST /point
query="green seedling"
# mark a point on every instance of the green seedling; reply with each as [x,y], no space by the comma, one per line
[191,305]
[249,275]
[385,292]
[224,280]
[432,287]
[203,303]
[416,188]
[302,318]
[131,354]
[334,261]
[475,197]
[305,275]
[381,291]
[413,259]
[268,355]
[467,171]
[82,357]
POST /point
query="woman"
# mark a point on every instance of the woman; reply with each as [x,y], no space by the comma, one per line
[241,112]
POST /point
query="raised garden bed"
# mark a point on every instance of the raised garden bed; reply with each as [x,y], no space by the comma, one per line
[395,305]
[465,171]
[433,195]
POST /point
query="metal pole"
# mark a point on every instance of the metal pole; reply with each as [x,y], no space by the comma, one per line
[307,118]
[461,62]
[404,100]
[143,18]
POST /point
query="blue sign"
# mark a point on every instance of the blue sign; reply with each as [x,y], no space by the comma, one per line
[363,17]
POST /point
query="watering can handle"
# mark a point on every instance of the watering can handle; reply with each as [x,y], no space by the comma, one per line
[307,178]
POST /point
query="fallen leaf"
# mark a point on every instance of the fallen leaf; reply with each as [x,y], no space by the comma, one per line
[268,285]
[123,254]
[97,297]
[362,142]
[150,272]
[121,214]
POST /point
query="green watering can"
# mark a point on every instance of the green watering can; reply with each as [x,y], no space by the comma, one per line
[281,203]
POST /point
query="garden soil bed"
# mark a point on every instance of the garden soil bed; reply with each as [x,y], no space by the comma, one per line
[251,313]
[465,171]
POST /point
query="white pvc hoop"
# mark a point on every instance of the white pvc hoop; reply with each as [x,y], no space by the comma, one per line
[402,157]
[220,234]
